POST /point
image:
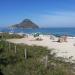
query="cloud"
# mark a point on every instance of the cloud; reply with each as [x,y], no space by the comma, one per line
[58,19]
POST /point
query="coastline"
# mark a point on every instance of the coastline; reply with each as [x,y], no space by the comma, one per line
[54,31]
[64,49]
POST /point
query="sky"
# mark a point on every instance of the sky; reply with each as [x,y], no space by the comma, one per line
[45,13]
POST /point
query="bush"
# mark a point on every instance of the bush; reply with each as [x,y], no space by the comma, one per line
[12,63]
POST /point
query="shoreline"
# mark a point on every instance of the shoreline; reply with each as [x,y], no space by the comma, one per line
[64,49]
[57,31]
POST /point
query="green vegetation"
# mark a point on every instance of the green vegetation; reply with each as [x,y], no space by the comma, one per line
[9,36]
[15,61]
[12,63]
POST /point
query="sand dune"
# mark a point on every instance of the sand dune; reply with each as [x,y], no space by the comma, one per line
[64,49]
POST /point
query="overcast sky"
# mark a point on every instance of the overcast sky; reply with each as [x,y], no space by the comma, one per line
[45,13]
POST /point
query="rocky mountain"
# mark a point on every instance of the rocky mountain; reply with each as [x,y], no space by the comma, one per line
[26,23]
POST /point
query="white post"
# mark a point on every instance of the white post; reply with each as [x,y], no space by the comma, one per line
[15,49]
[25,53]
[46,61]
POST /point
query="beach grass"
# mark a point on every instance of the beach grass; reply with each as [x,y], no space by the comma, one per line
[6,35]
[15,63]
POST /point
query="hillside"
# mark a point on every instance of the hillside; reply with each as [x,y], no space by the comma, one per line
[26,23]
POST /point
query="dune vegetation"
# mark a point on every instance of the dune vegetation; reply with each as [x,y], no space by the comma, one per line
[20,59]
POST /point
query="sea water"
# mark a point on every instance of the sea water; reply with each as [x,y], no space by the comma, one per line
[54,31]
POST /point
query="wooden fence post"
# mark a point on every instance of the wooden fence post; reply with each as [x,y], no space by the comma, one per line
[25,53]
[46,61]
[9,45]
[2,36]
[15,49]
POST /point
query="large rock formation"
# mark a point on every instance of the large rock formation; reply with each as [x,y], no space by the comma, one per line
[26,23]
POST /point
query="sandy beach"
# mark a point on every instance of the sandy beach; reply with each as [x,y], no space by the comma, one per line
[64,49]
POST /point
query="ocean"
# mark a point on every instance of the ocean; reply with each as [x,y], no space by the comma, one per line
[54,31]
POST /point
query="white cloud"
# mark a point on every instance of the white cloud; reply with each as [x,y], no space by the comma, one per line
[61,19]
